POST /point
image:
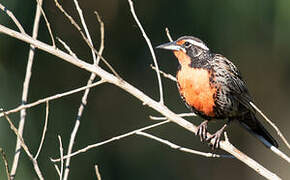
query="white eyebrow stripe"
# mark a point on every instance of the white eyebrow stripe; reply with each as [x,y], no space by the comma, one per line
[199,44]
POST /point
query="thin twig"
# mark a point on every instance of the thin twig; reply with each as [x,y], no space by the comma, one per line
[151,49]
[280,153]
[272,124]
[57,96]
[111,78]
[166,75]
[24,146]
[57,169]
[102,32]
[98,173]
[3,155]
[44,130]
[67,48]
[180,148]
[111,140]
[11,15]
[168,34]
[180,115]
[88,36]
[47,23]
[61,157]
[90,81]
[226,137]
[86,40]
[26,87]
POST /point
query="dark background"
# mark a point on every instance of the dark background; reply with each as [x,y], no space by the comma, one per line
[254,34]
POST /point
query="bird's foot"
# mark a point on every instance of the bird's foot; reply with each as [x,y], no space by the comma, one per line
[216,137]
[202,130]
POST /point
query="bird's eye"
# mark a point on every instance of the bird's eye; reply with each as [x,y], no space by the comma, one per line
[186,44]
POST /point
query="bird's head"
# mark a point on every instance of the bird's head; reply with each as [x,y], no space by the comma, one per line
[189,45]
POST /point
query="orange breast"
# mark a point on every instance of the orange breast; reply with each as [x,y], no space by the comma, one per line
[183,58]
[195,87]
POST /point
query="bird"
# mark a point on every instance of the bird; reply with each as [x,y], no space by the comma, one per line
[212,87]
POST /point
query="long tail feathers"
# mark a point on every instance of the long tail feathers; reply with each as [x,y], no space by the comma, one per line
[251,123]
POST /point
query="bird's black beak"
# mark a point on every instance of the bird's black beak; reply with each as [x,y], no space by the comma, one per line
[170,46]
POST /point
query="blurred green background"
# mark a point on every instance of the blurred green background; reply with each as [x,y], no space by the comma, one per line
[254,34]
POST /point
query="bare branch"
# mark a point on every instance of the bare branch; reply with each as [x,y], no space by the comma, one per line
[57,169]
[57,96]
[44,130]
[61,157]
[280,153]
[26,87]
[24,146]
[80,12]
[180,115]
[47,23]
[70,146]
[86,40]
[11,15]
[90,81]
[111,140]
[151,50]
[177,147]
[272,124]
[102,31]
[168,34]
[98,172]
[67,48]
[226,137]
[3,155]
[168,76]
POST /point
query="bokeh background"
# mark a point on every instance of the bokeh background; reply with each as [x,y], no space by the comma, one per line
[254,34]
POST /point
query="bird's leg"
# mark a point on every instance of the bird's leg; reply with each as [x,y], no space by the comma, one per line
[202,130]
[216,137]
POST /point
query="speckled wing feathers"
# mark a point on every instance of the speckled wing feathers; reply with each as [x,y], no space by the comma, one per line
[231,83]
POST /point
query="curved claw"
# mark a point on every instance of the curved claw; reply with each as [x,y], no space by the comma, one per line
[202,130]
[216,137]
